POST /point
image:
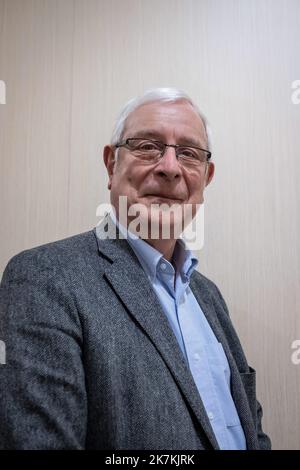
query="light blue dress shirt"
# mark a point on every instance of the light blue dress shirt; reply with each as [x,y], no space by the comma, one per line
[202,351]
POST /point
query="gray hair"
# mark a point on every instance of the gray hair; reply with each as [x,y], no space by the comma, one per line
[152,95]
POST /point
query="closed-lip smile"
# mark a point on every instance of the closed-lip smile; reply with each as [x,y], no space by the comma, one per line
[161,196]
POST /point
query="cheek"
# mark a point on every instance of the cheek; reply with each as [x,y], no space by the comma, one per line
[120,174]
[124,172]
[124,181]
[196,195]
[196,186]
[135,178]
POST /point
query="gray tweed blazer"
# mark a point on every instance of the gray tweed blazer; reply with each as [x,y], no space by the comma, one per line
[92,363]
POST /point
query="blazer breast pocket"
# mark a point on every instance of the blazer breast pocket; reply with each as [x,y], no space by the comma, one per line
[249,382]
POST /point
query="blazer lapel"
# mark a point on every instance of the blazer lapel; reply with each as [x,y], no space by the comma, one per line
[132,286]
[237,389]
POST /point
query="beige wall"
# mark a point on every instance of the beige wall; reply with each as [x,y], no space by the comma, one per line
[68,66]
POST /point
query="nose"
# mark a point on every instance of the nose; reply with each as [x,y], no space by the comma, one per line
[168,166]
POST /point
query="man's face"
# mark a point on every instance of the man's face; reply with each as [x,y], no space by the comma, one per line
[166,181]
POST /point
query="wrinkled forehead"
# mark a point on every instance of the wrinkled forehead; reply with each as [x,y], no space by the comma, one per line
[161,119]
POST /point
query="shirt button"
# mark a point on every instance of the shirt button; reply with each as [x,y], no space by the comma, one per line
[196,356]
[163,266]
[210,415]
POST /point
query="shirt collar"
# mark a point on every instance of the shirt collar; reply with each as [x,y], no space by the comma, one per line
[150,258]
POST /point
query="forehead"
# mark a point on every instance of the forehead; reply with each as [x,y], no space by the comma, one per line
[168,120]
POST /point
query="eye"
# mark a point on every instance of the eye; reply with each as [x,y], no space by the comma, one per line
[147,146]
[187,152]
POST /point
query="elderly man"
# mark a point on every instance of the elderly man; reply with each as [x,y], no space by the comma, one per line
[118,342]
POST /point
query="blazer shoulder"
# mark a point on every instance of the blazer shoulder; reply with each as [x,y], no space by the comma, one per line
[205,282]
[50,256]
[208,286]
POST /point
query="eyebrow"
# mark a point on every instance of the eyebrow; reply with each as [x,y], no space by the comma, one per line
[153,134]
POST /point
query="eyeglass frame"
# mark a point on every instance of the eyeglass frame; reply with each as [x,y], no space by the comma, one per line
[175,146]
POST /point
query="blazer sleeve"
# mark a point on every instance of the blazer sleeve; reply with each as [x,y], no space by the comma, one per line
[42,388]
[263,439]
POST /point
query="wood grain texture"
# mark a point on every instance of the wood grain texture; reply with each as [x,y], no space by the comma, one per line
[70,65]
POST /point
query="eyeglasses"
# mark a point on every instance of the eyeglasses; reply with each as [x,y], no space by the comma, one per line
[153,150]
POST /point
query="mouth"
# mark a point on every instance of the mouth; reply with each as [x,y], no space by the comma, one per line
[163,198]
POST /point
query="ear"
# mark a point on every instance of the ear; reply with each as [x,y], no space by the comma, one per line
[109,162]
[209,172]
